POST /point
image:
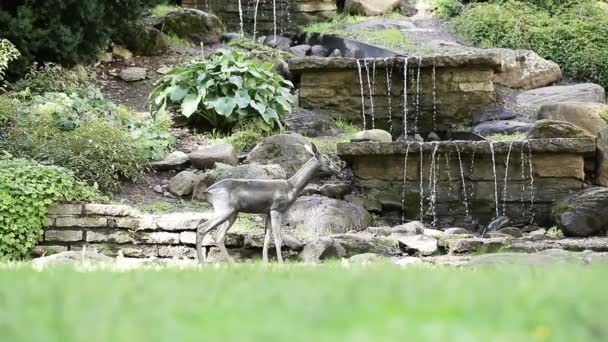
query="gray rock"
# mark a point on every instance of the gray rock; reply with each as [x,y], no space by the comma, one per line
[498,113]
[359,243]
[322,248]
[370,7]
[133,74]
[278,41]
[335,53]
[335,190]
[365,258]
[163,70]
[582,114]
[177,160]
[433,137]
[586,92]
[584,213]
[525,69]
[409,228]
[183,183]
[71,258]
[300,50]
[192,24]
[512,231]
[601,172]
[501,127]
[206,157]
[319,51]
[122,53]
[286,150]
[548,129]
[457,231]
[372,135]
[321,216]
[418,244]
[310,123]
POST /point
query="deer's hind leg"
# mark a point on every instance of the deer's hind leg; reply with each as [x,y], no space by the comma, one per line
[220,237]
[267,230]
[275,217]
[217,219]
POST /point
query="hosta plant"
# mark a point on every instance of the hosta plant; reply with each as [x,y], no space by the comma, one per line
[227,89]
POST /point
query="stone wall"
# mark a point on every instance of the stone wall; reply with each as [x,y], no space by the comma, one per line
[289,13]
[444,95]
[558,167]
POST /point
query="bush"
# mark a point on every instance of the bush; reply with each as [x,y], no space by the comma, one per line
[100,142]
[572,35]
[8,107]
[245,140]
[227,89]
[53,78]
[67,32]
[26,190]
[447,8]
[8,53]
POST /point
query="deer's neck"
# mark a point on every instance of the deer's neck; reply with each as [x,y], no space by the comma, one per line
[304,175]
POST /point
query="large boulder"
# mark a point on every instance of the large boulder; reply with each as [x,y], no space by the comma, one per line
[585,92]
[310,123]
[194,25]
[584,213]
[145,40]
[183,183]
[602,162]
[176,160]
[582,114]
[287,150]
[548,129]
[501,127]
[205,157]
[370,7]
[526,69]
[322,216]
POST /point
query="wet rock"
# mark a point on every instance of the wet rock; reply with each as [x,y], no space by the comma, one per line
[319,51]
[474,245]
[279,42]
[322,216]
[601,172]
[418,244]
[498,223]
[372,135]
[525,69]
[494,114]
[286,150]
[173,161]
[585,92]
[547,129]
[584,213]
[300,50]
[380,24]
[585,115]
[194,25]
[183,183]
[433,137]
[206,157]
[335,190]
[370,7]
[365,258]
[501,127]
[512,231]
[310,123]
[133,74]
[354,244]
[491,235]
[335,53]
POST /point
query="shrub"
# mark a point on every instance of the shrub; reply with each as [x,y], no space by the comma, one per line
[67,32]
[245,140]
[227,89]
[446,8]
[26,190]
[573,35]
[8,107]
[8,53]
[53,78]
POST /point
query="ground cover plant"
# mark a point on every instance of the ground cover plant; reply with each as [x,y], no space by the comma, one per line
[296,302]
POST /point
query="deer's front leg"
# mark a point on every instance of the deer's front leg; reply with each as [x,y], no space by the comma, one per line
[275,217]
[267,229]
[205,228]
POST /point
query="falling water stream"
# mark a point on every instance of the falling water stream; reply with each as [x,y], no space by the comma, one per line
[433,184]
[389,76]
[495,178]
[274,20]
[241,18]
[532,187]
[255,19]
[421,185]
[362,93]
[417,114]
[370,91]
[504,189]
[407,153]
[434,96]
[464,185]
[405,97]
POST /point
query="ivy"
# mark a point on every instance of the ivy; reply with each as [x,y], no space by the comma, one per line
[27,189]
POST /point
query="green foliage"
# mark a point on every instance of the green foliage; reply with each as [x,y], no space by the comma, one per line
[603,115]
[100,142]
[227,89]
[260,51]
[8,107]
[8,53]
[446,8]
[164,9]
[507,136]
[245,140]
[26,190]
[67,32]
[572,34]
[53,78]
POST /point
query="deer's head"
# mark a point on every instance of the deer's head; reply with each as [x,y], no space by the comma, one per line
[326,165]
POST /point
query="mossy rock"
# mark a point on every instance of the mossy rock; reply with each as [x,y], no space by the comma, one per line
[548,129]
[145,40]
[583,213]
[194,25]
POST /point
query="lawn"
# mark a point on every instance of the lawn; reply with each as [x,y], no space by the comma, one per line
[306,303]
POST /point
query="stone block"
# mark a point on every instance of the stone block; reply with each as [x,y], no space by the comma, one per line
[116,236]
[110,210]
[139,251]
[562,166]
[48,250]
[181,221]
[63,235]
[65,210]
[81,222]
[176,252]
[146,222]
[50,222]
[386,167]
[164,238]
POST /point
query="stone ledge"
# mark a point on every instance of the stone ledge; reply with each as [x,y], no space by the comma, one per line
[57,210]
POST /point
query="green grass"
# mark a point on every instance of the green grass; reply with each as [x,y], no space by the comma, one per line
[306,303]
[507,136]
[164,9]
[330,144]
[179,41]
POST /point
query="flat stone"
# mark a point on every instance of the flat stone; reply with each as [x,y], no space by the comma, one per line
[65,209]
[310,123]
[133,74]
[559,166]
[48,250]
[81,222]
[372,135]
[585,92]
[502,127]
[353,244]
[71,258]
[585,115]
[205,157]
[475,245]
[164,238]
[512,231]
[118,236]
[418,244]
[63,235]
[176,252]
[181,221]
[457,231]
[549,129]
[140,251]
[145,222]
[433,232]
[365,258]
[111,210]
[300,50]
[408,261]
[176,160]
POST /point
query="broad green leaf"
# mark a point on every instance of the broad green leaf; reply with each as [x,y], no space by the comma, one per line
[236,80]
[259,106]
[190,104]
[224,105]
[178,93]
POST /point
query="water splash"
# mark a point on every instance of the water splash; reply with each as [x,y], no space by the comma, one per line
[464,185]
[405,60]
[417,108]
[389,76]
[274,20]
[255,19]
[370,91]
[362,93]
[434,95]
[407,153]
[495,178]
[504,189]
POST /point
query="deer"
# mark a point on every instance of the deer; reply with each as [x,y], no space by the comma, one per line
[272,198]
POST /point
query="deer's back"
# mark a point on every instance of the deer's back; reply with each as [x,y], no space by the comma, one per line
[251,196]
